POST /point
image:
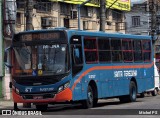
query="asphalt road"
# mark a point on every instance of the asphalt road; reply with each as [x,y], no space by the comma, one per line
[148,107]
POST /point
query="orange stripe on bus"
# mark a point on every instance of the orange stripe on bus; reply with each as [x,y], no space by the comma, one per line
[107,68]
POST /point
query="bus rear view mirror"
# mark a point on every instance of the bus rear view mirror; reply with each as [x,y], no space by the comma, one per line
[7,57]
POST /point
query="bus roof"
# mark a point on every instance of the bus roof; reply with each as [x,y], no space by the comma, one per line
[105,34]
[91,33]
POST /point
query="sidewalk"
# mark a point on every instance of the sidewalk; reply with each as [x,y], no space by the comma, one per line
[6,104]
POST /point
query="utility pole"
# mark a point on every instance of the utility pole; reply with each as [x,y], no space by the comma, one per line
[152,9]
[153,18]
[29,26]
[79,13]
[29,14]
[102,15]
[1,48]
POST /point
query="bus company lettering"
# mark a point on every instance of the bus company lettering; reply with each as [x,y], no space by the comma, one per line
[125,73]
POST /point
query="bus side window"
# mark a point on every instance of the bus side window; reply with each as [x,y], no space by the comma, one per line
[116,50]
[90,49]
[137,50]
[104,50]
[146,50]
[127,50]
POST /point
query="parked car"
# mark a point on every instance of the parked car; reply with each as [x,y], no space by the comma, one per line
[154,91]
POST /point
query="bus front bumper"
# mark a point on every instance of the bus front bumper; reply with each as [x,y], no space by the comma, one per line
[63,96]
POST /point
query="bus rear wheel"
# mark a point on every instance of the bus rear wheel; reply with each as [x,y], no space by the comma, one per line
[89,102]
[42,107]
[132,92]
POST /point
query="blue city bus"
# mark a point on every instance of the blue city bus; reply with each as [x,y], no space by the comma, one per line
[61,65]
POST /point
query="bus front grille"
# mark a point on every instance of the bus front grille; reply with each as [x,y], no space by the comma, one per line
[38,96]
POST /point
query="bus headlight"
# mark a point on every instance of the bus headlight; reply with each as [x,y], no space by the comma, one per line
[17,91]
[60,89]
[64,86]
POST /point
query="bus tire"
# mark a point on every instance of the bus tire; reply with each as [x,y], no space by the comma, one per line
[154,92]
[95,101]
[16,107]
[132,92]
[42,107]
[89,102]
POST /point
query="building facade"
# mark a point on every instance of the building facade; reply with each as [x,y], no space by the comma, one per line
[137,20]
[59,14]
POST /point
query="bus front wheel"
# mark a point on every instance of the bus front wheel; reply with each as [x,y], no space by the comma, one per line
[89,102]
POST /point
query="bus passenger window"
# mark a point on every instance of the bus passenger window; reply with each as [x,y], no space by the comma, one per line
[127,50]
[116,50]
[146,50]
[91,52]
[104,50]
[137,50]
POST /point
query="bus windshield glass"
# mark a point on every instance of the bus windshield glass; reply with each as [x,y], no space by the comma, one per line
[41,59]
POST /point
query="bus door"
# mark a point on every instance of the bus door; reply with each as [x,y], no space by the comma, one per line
[77,64]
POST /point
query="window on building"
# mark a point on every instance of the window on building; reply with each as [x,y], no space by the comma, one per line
[66,22]
[135,21]
[20,4]
[43,6]
[116,50]
[74,14]
[65,9]
[46,22]
[120,26]
[84,11]
[137,50]
[146,45]
[19,18]
[127,50]
[117,15]
[104,50]
[90,48]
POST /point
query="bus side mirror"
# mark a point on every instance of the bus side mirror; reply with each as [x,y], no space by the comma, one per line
[7,57]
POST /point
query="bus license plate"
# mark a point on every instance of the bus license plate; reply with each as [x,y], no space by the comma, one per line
[37,97]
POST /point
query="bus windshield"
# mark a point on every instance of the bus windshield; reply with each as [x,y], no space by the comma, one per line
[50,59]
